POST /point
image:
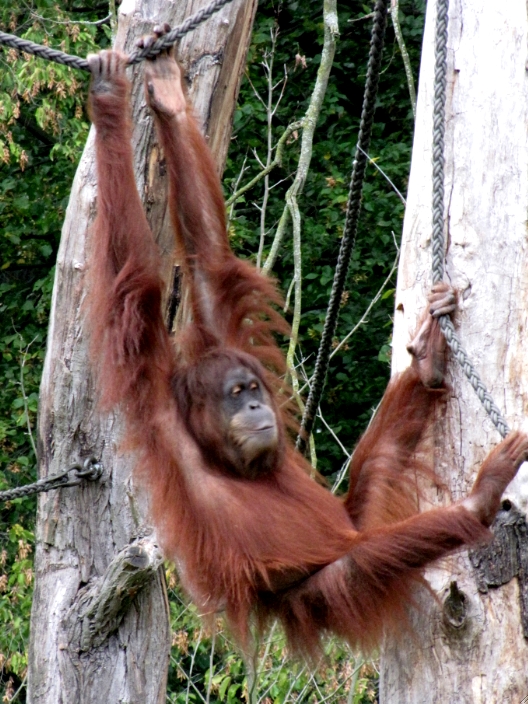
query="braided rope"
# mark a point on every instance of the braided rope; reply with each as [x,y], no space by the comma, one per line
[438,244]
[91,471]
[44,52]
[379,24]
[447,327]
[159,45]
[440,82]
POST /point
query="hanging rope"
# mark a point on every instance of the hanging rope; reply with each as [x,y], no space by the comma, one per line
[438,245]
[91,471]
[164,42]
[351,221]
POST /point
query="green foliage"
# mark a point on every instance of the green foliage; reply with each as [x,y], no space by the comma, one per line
[16,577]
[359,371]
[206,667]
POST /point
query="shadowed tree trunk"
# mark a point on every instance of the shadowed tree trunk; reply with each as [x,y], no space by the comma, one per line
[471,645]
[99,628]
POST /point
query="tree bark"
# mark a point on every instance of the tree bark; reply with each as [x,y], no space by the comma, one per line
[100,629]
[470,645]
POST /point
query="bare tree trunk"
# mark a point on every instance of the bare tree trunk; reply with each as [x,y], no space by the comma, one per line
[471,645]
[100,629]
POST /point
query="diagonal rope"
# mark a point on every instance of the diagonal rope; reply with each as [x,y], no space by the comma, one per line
[379,24]
[44,52]
[59,57]
[438,244]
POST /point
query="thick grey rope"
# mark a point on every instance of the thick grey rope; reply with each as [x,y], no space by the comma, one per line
[438,245]
[91,470]
[43,51]
[164,42]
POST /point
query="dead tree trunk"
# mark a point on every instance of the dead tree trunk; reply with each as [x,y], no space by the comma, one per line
[472,644]
[99,629]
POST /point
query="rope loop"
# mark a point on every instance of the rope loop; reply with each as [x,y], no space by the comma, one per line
[91,470]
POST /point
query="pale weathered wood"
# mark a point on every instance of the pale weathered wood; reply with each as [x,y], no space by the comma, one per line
[477,655]
[88,645]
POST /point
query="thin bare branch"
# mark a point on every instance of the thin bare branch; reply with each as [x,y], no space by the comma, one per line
[309,125]
[404,53]
[369,308]
[375,165]
[231,206]
[24,397]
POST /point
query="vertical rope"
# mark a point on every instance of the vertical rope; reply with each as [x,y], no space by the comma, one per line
[440,82]
[438,243]
[351,221]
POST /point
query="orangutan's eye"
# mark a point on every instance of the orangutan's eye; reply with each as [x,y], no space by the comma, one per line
[236,390]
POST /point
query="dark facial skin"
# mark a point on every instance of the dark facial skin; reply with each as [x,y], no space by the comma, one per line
[251,425]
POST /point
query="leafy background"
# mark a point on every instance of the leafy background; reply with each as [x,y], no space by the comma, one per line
[43,127]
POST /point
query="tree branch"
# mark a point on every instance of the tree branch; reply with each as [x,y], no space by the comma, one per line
[309,124]
[102,604]
[405,55]
[276,162]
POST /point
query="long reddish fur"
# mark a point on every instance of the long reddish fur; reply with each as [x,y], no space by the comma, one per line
[348,566]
